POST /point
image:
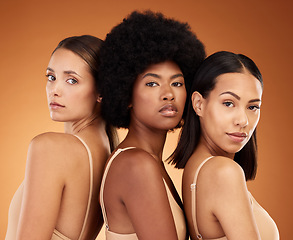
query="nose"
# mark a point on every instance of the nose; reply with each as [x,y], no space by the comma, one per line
[168,94]
[53,89]
[241,119]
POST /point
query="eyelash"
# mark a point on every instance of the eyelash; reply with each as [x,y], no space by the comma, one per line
[228,103]
[49,76]
[254,107]
[75,81]
[174,84]
[151,84]
[177,84]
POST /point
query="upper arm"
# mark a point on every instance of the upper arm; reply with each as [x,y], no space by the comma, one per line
[43,186]
[146,199]
[231,204]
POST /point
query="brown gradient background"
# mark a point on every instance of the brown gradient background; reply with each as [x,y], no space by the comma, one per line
[261,29]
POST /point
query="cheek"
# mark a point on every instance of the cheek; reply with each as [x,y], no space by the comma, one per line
[144,99]
[215,116]
[91,96]
[86,92]
[82,99]
[47,92]
[181,99]
[254,121]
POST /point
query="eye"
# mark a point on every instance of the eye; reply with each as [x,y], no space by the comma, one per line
[177,84]
[254,107]
[51,78]
[71,81]
[152,84]
[228,104]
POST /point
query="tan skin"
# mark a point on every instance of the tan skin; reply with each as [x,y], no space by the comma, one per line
[135,195]
[223,204]
[56,185]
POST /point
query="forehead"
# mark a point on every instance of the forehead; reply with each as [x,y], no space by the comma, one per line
[239,83]
[67,59]
[164,67]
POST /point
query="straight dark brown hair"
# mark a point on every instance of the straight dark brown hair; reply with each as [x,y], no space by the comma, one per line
[204,82]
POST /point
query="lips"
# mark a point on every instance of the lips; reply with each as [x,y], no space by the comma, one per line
[237,136]
[168,110]
[55,105]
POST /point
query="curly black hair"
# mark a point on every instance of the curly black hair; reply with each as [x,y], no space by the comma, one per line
[140,40]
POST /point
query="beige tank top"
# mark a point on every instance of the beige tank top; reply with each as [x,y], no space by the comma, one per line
[177,212]
[14,209]
[267,227]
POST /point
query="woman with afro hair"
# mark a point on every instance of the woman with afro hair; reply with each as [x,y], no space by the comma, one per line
[147,64]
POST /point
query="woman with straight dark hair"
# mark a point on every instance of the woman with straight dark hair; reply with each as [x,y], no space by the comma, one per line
[147,65]
[217,149]
[58,198]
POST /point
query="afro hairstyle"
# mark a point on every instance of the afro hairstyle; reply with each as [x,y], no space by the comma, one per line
[140,40]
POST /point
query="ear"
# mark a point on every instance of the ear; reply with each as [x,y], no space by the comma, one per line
[99,98]
[197,103]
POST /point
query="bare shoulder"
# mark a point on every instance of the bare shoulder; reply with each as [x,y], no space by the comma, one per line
[134,169]
[137,162]
[52,138]
[222,180]
[222,169]
[55,148]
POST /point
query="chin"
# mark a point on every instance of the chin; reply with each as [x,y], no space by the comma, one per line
[234,150]
[57,119]
[169,128]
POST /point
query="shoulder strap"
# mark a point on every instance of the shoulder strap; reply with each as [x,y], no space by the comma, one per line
[193,198]
[119,150]
[91,186]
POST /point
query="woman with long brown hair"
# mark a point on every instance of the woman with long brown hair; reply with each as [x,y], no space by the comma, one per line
[58,198]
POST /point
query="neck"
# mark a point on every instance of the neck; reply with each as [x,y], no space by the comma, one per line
[150,140]
[212,149]
[78,126]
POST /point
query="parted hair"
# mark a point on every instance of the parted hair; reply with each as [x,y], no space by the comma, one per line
[140,40]
[88,48]
[204,82]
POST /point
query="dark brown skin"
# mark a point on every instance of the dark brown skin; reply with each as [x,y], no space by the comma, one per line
[135,195]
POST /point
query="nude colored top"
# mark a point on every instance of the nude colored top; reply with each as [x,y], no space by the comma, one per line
[267,227]
[15,205]
[177,212]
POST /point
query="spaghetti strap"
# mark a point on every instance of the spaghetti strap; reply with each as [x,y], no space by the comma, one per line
[119,150]
[91,185]
[193,198]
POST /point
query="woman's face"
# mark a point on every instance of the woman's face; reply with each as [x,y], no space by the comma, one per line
[159,97]
[70,87]
[230,113]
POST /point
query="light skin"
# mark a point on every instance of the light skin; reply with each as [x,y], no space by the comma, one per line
[70,90]
[56,185]
[228,117]
[135,195]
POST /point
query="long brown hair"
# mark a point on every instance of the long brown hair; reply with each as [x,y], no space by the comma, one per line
[88,48]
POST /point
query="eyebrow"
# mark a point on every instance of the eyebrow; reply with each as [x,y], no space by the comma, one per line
[71,72]
[238,98]
[66,72]
[158,76]
[50,69]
